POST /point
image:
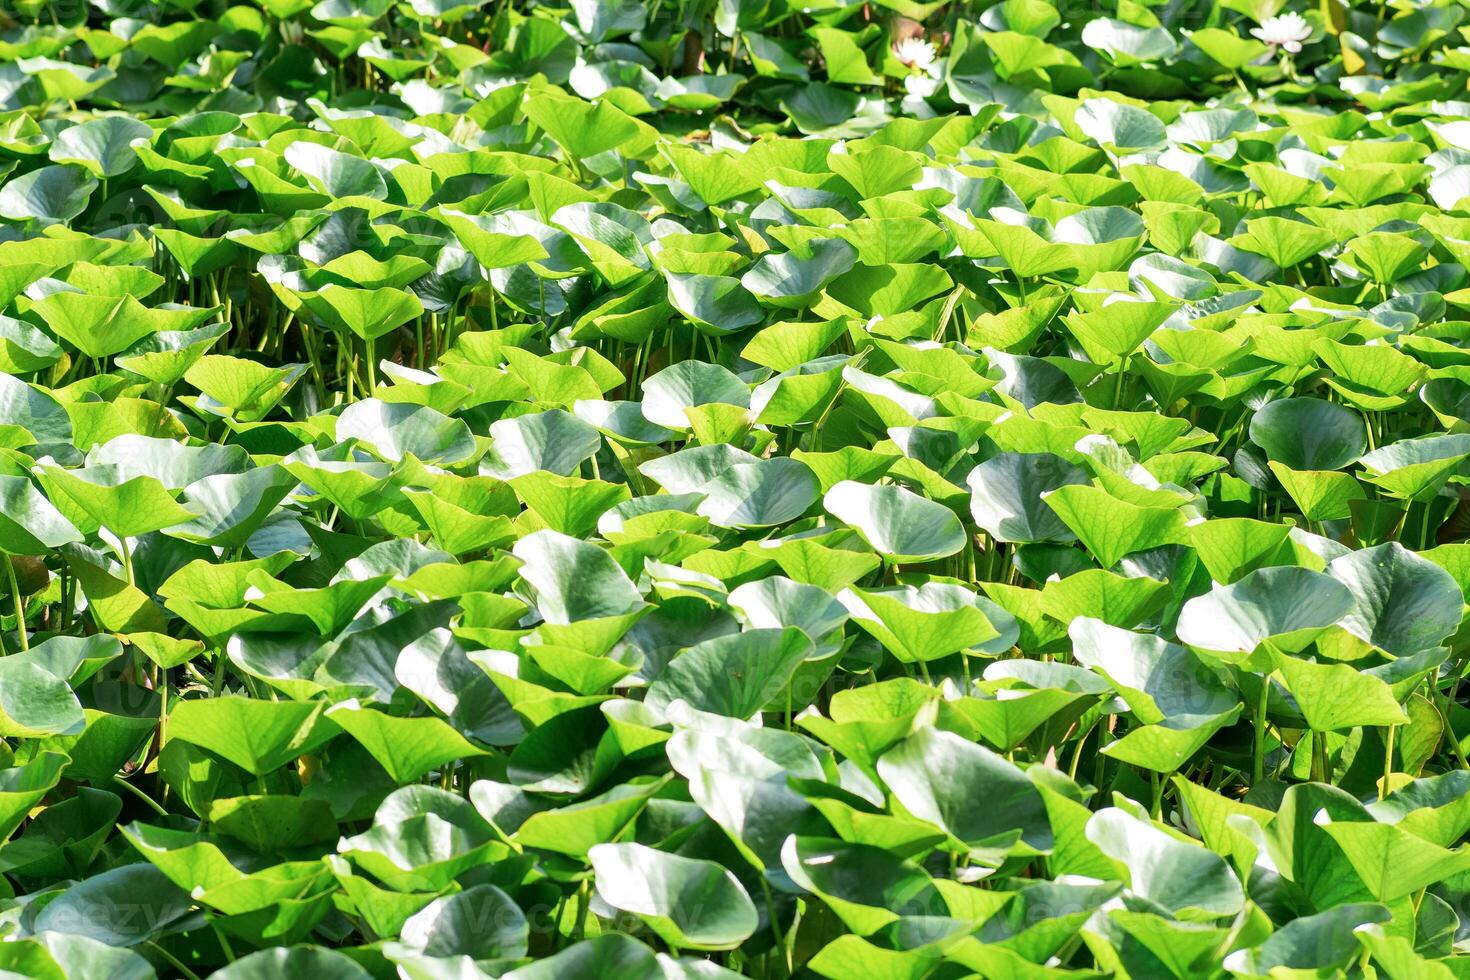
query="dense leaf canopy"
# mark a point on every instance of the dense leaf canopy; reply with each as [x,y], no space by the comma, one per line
[656,490]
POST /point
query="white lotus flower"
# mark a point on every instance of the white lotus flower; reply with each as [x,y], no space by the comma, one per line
[1285,31]
[920,86]
[914,52]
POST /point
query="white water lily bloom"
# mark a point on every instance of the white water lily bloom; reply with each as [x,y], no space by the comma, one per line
[920,86]
[914,52]
[1286,31]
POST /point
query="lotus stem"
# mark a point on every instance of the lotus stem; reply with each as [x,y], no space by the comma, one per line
[1388,761]
[1258,756]
[20,604]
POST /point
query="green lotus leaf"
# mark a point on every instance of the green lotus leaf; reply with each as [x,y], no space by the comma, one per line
[420,839]
[1006,496]
[368,313]
[346,478]
[1111,528]
[1289,606]
[23,786]
[279,961]
[699,92]
[106,496]
[614,952]
[1114,331]
[687,470]
[334,173]
[1416,467]
[934,773]
[24,349]
[1308,433]
[398,430]
[581,129]
[1115,599]
[238,388]
[1231,547]
[712,178]
[868,887]
[661,490]
[614,238]
[100,326]
[103,146]
[1126,43]
[790,279]
[495,245]
[571,580]
[1227,48]
[164,357]
[687,902]
[776,602]
[887,291]
[85,908]
[577,828]
[48,195]
[1404,603]
[899,524]
[258,736]
[1162,868]
[718,304]
[1322,495]
[763,493]
[173,464]
[669,393]
[1283,241]
[1116,124]
[1392,862]
[799,396]
[1172,692]
[735,675]
[1335,696]
[231,507]
[455,926]
[926,622]
[466,515]
[73,953]
[29,523]
[622,420]
[1311,941]
[36,701]
[554,441]
[406,748]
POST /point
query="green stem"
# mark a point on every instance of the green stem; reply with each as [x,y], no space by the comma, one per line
[1388,760]
[1100,761]
[351,370]
[174,961]
[372,367]
[67,585]
[224,942]
[1443,707]
[153,804]
[1319,757]
[583,898]
[20,603]
[1077,749]
[771,911]
[127,557]
[1258,759]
